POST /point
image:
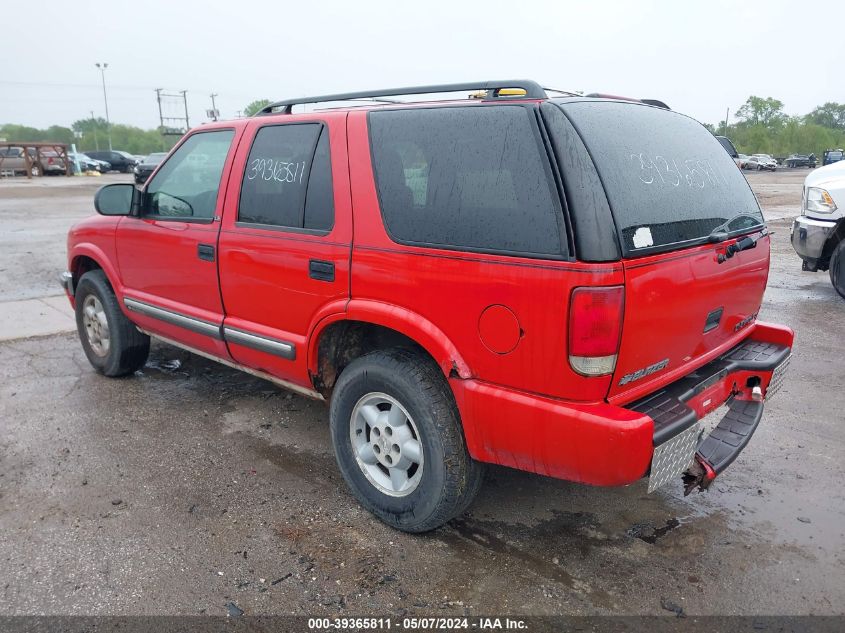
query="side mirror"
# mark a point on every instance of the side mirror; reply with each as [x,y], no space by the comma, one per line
[115,199]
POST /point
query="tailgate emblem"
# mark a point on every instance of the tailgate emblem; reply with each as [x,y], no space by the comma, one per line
[645,371]
[745,322]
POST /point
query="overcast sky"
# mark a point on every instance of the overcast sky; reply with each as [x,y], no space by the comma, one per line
[698,57]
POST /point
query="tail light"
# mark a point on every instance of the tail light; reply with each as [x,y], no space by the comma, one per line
[595,327]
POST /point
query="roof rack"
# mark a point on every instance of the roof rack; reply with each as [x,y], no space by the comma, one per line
[651,102]
[533,90]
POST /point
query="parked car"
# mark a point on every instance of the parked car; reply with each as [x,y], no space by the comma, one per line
[496,316]
[730,149]
[740,160]
[52,163]
[86,163]
[801,160]
[147,166]
[761,162]
[120,161]
[831,156]
[14,161]
[818,234]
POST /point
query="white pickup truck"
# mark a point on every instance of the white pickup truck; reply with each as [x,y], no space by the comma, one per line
[818,234]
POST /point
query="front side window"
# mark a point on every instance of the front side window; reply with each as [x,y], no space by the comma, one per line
[467,178]
[287,181]
[186,185]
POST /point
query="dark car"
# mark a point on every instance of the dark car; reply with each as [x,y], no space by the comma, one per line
[147,166]
[801,160]
[832,156]
[121,161]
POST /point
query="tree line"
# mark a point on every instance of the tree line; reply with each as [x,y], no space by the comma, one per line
[92,134]
[762,127]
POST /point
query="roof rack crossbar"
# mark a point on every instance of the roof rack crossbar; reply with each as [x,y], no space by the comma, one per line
[533,90]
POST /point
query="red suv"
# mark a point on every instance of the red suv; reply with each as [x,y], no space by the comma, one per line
[567,285]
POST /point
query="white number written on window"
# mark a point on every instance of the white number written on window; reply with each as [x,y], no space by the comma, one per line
[274,169]
[669,171]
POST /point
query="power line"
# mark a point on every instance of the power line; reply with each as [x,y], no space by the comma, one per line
[48,84]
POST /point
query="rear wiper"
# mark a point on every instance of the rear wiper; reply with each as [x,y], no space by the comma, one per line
[720,233]
[742,244]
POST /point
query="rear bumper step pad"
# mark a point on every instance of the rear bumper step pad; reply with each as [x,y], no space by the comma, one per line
[674,419]
[730,436]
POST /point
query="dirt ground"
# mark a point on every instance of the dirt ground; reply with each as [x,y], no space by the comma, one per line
[191,486]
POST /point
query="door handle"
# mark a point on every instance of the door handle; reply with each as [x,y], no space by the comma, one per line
[321,270]
[205,252]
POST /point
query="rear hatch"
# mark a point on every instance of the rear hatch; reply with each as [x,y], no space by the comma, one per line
[679,205]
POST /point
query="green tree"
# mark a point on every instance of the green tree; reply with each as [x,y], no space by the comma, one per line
[761,111]
[830,115]
[255,106]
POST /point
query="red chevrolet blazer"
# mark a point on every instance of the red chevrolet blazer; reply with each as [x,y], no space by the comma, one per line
[567,286]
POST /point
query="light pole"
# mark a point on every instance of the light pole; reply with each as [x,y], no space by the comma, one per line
[102,68]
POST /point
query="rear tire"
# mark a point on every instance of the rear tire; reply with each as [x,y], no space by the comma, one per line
[837,268]
[398,399]
[112,343]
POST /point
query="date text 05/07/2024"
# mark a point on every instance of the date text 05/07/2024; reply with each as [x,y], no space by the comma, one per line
[417,624]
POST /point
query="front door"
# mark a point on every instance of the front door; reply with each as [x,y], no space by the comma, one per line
[285,241]
[168,255]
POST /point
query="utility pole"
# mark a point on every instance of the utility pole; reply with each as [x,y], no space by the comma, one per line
[185,98]
[727,114]
[94,126]
[102,68]
[158,98]
[213,107]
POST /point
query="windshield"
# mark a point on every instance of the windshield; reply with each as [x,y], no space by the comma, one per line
[669,182]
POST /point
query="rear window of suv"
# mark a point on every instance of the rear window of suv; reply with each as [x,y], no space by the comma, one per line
[668,180]
[469,178]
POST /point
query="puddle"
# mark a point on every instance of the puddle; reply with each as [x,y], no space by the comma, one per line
[650,534]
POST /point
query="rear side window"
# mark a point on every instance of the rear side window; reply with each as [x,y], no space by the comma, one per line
[472,178]
[669,182]
[287,181]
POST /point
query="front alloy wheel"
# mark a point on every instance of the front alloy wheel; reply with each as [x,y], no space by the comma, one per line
[96,325]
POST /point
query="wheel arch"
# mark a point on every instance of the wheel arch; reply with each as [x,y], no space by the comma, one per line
[366,326]
[86,257]
[832,242]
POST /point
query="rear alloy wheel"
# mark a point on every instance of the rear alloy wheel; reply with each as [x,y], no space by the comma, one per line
[837,268]
[398,440]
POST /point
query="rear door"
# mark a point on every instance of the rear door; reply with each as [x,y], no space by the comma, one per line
[286,239]
[678,203]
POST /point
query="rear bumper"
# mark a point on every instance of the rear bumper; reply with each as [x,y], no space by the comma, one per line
[608,445]
[809,237]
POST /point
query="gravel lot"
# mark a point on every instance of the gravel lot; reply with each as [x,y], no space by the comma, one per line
[191,486]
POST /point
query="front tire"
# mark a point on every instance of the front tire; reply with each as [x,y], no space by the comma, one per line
[398,440]
[837,268]
[112,343]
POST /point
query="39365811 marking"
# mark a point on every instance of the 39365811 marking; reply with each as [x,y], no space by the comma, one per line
[348,624]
